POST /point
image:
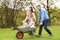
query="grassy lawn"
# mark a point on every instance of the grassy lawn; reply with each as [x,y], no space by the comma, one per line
[8,34]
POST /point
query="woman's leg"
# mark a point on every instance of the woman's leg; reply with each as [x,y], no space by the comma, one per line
[14,28]
[31,33]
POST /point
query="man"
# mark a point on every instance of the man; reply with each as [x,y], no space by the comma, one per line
[43,20]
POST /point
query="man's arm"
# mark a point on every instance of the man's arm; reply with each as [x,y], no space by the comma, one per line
[42,15]
[38,17]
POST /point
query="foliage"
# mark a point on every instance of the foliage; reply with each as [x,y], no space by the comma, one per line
[15,15]
[8,34]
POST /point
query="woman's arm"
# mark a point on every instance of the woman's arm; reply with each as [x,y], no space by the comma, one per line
[34,17]
[30,24]
[25,19]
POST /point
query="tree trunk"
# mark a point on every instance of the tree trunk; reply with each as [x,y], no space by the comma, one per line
[48,12]
[1,20]
[13,21]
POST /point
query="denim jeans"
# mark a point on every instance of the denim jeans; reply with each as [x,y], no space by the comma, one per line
[45,23]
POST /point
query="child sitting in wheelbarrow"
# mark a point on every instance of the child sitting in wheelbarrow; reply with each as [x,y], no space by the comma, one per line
[29,22]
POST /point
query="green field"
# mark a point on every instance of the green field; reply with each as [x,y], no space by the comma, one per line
[8,34]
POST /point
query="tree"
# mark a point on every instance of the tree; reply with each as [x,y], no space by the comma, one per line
[10,13]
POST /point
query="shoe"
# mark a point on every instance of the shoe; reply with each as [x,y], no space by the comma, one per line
[50,35]
[32,35]
[37,35]
[12,28]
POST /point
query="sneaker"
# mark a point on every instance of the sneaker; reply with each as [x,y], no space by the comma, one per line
[32,35]
[50,35]
[37,35]
[12,28]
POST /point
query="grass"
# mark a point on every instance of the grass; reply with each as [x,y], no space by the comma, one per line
[8,34]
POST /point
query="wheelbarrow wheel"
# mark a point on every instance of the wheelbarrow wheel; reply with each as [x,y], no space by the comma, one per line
[19,35]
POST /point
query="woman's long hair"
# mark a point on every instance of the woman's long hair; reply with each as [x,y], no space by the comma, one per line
[31,9]
[32,14]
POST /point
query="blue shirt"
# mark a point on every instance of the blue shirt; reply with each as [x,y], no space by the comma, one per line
[42,15]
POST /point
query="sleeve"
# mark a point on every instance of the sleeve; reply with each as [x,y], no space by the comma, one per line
[39,17]
[42,15]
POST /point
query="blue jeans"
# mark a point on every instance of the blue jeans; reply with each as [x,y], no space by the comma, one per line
[45,23]
[30,33]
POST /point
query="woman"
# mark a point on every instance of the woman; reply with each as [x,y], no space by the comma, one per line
[32,19]
[30,15]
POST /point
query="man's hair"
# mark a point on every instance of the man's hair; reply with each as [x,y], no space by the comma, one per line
[38,5]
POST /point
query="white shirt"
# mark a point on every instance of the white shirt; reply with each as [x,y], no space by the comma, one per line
[31,23]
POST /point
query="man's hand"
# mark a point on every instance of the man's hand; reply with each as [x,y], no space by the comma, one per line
[41,23]
[38,24]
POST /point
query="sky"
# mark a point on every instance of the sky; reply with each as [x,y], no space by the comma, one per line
[56,2]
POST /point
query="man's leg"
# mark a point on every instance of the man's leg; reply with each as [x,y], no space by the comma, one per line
[45,27]
[40,30]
